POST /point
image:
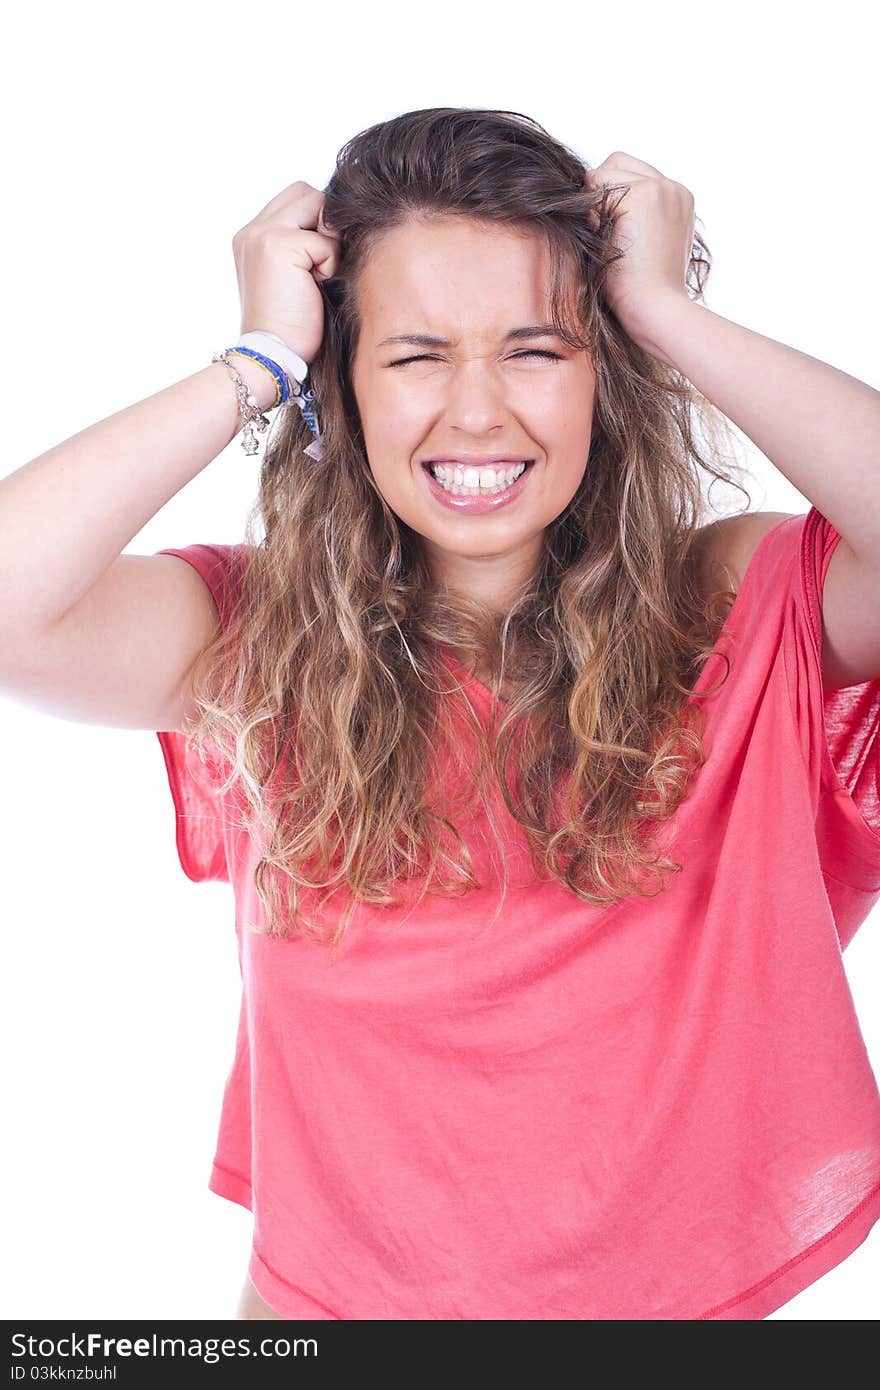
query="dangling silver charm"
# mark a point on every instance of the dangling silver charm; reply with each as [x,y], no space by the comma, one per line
[249,442]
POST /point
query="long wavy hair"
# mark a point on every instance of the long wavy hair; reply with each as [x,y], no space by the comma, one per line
[327,695]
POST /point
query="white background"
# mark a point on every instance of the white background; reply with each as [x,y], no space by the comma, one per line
[136,141]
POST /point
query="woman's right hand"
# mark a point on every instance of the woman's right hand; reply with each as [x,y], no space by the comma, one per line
[279,256]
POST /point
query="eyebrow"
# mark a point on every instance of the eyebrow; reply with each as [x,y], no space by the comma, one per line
[540,330]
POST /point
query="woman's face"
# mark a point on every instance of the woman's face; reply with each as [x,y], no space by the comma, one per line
[477,393]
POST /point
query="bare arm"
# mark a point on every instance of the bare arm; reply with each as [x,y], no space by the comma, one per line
[67,515]
[87,633]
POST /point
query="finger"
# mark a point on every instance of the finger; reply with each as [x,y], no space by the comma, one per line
[297,215]
[293,216]
[620,159]
[300,196]
[612,174]
[612,177]
[321,253]
[296,246]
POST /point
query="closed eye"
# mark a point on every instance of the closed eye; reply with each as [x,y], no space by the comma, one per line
[431,357]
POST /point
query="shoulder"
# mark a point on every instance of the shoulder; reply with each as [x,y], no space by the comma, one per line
[725,547]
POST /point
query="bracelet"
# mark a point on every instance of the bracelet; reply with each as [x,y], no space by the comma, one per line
[272,369]
[252,417]
[282,362]
[277,352]
[288,372]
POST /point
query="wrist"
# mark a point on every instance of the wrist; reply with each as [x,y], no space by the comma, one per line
[277,350]
[258,381]
[657,323]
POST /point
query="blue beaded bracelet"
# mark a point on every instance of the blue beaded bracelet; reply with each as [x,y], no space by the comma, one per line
[282,384]
[286,390]
[283,389]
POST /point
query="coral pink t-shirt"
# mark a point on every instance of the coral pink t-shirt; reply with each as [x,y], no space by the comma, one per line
[662,1110]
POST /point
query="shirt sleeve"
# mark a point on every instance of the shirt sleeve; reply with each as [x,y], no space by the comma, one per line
[838,732]
[204,820]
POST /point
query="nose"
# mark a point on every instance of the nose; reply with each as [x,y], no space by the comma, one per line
[476,402]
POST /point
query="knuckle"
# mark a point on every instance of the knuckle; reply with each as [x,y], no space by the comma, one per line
[274,234]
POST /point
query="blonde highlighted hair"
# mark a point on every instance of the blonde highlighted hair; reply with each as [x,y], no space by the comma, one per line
[327,695]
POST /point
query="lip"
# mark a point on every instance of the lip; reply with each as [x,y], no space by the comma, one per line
[477,460]
[478,505]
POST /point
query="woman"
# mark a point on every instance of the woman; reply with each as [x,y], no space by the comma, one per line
[547,802]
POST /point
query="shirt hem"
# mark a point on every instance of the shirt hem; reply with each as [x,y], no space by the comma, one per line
[285,1298]
[819,1258]
[233,1186]
[761,1299]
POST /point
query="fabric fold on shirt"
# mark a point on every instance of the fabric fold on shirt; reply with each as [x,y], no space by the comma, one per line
[662,1110]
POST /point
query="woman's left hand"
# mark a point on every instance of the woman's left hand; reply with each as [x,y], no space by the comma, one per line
[654,227]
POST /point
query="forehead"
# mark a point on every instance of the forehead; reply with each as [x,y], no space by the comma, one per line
[454,275]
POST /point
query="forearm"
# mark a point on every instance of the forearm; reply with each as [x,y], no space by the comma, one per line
[819,426]
[68,514]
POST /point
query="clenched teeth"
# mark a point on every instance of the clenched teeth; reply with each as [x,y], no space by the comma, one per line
[471,481]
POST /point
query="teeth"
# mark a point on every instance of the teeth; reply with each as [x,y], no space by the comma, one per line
[471,482]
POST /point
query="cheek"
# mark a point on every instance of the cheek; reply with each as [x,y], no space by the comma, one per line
[391,472]
[406,417]
[392,420]
[573,479]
